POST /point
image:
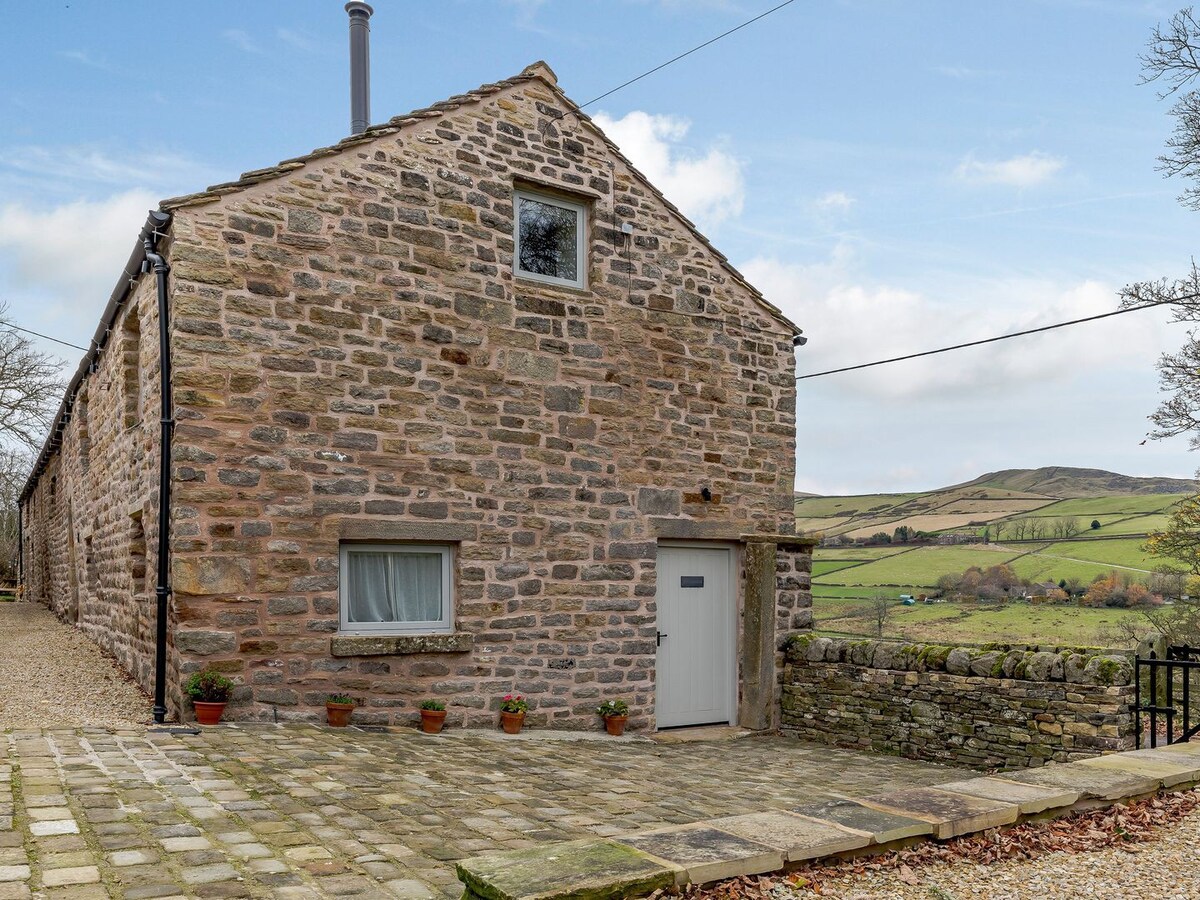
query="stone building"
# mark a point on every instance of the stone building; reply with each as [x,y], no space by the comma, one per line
[463,407]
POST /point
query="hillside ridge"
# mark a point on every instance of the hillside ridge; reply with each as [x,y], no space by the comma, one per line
[1067,482]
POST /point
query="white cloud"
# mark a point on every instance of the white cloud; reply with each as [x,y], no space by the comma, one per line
[708,187]
[296,39]
[1019,171]
[241,40]
[60,263]
[56,167]
[834,203]
[849,321]
[84,59]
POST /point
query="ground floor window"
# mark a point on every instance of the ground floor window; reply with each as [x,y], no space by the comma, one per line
[395,588]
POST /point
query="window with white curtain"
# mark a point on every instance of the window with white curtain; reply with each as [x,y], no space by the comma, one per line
[395,588]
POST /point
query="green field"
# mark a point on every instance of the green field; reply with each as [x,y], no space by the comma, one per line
[862,553]
[1130,525]
[1042,568]
[808,507]
[1127,552]
[826,567]
[842,591]
[1094,507]
[844,578]
[1016,623]
[923,565]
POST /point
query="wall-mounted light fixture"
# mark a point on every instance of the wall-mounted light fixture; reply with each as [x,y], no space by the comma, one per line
[706,495]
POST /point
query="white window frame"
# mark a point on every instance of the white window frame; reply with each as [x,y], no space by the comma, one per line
[445,625]
[580,238]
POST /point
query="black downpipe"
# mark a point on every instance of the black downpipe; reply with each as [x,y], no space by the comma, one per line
[162,589]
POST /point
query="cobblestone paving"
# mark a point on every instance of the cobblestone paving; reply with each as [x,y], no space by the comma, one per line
[303,812]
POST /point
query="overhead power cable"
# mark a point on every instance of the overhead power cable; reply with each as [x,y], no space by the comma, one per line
[44,337]
[686,53]
[991,340]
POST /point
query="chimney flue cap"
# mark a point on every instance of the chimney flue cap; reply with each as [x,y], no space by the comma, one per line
[355,8]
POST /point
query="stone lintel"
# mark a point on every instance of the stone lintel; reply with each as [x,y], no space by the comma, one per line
[693,530]
[399,645]
[390,530]
[783,540]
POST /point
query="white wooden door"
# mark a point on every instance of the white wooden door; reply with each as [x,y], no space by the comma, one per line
[696,612]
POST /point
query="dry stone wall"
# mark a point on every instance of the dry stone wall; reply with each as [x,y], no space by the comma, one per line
[967,706]
[355,360]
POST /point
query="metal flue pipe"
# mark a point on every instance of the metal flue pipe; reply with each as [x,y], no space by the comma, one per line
[360,66]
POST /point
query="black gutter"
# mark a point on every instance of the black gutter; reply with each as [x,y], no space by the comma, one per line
[162,588]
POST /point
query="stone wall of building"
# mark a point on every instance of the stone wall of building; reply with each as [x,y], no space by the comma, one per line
[968,706]
[90,523]
[355,360]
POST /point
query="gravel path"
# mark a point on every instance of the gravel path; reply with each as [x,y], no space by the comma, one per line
[1167,868]
[51,676]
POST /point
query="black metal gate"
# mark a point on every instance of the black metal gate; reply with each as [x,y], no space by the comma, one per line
[1166,690]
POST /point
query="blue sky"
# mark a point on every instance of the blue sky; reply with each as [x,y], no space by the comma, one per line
[895,175]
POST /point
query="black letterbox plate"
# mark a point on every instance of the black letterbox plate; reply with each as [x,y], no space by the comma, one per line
[692,581]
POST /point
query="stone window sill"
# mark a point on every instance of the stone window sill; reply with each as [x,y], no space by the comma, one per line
[399,645]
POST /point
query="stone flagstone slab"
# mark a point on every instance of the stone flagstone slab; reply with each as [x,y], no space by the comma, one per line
[797,837]
[950,814]
[884,827]
[579,870]
[706,853]
[1164,772]
[1029,798]
[1183,760]
[1091,782]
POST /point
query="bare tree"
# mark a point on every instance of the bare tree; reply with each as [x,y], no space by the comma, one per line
[1071,526]
[879,610]
[998,529]
[30,388]
[1037,528]
[1172,61]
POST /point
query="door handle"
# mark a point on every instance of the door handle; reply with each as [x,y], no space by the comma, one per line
[658,639]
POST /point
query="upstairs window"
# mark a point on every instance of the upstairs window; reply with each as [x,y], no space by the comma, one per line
[549,236]
[395,588]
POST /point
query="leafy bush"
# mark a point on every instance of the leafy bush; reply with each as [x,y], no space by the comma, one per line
[208,686]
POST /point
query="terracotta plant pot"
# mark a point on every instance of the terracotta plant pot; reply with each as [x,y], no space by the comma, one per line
[338,713]
[512,722]
[432,720]
[615,725]
[208,713]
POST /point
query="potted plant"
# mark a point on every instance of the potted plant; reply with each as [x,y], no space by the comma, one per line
[433,716]
[615,714]
[209,691]
[512,713]
[338,708]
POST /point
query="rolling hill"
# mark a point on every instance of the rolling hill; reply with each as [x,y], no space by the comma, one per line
[1022,514]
